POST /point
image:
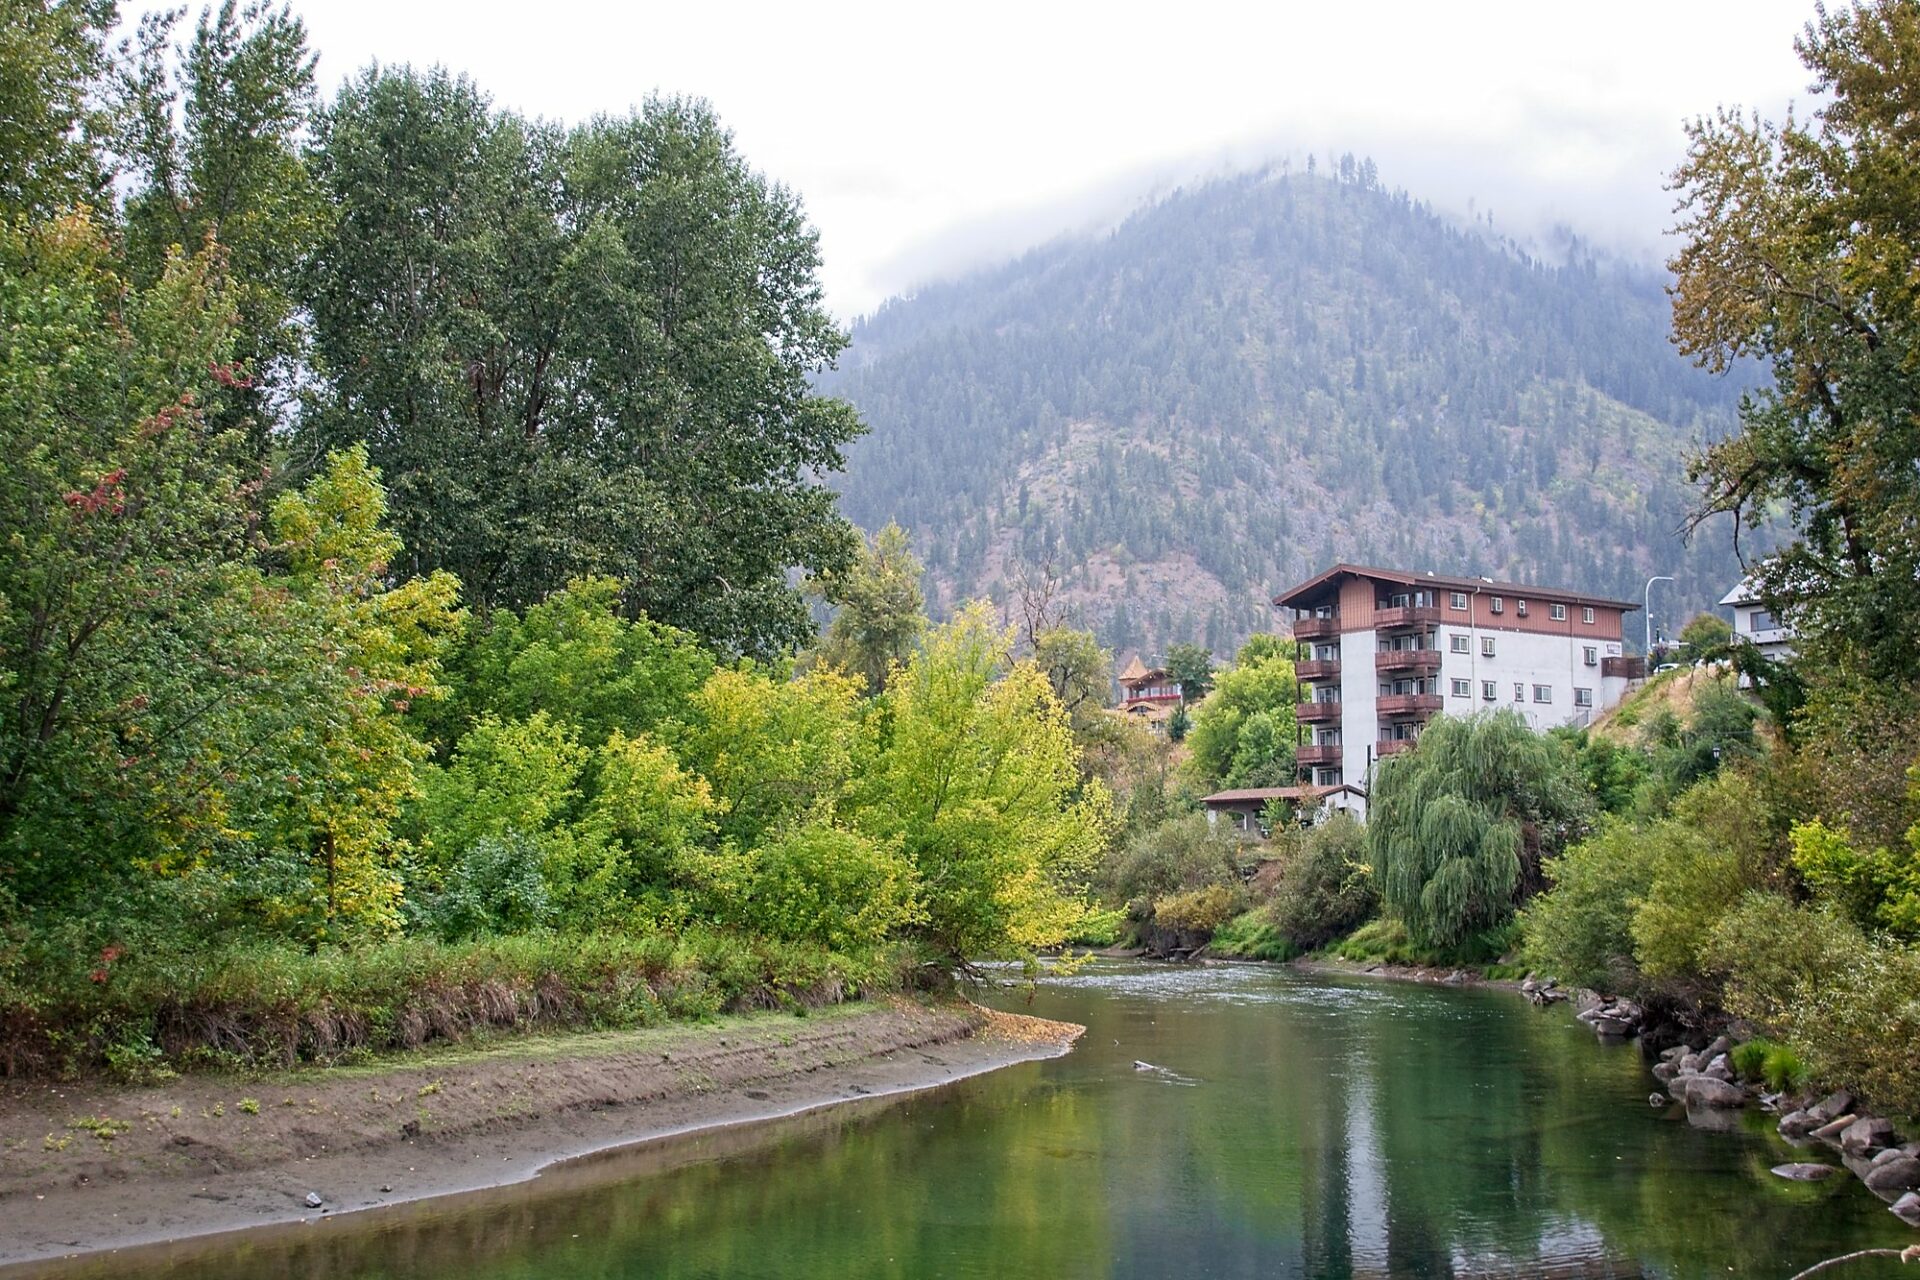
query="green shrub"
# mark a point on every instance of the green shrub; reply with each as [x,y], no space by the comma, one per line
[1201,909]
[1323,888]
[1581,930]
[1252,936]
[1183,853]
[1846,1005]
[1783,1069]
[1750,1059]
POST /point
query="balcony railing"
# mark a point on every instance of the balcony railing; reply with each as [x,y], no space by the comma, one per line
[1310,756]
[1394,746]
[1634,668]
[1318,669]
[1317,712]
[1315,628]
[1407,704]
[1407,660]
[1407,615]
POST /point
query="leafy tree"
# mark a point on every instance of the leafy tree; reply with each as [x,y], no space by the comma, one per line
[816,883]
[1179,724]
[976,781]
[778,753]
[1192,669]
[575,657]
[578,353]
[1080,671]
[1796,245]
[1706,637]
[1458,828]
[128,652]
[879,609]
[213,139]
[53,124]
[1243,733]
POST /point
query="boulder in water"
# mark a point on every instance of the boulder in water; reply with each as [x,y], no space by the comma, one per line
[1804,1172]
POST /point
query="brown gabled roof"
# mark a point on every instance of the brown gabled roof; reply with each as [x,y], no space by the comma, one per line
[1136,670]
[1278,793]
[1312,588]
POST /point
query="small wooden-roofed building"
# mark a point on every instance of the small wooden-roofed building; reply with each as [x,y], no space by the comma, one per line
[1150,693]
[1246,807]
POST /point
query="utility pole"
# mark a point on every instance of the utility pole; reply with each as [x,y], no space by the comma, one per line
[1646,598]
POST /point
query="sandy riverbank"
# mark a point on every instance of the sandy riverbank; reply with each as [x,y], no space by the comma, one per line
[92,1167]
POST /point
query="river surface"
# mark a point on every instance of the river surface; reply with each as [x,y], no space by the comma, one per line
[1293,1126]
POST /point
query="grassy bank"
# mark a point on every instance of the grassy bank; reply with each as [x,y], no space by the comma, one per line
[144,1016]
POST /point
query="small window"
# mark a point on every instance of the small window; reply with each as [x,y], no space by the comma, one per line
[1520,607]
[1489,690]
[1586,614]
[1583,697]
[1458,600]
[1519,691]
[1486,646]
[1463,688]
[1543,693]
[1592,656]
[1459,644]
[1558,612]
[1762,620]
[1496,604]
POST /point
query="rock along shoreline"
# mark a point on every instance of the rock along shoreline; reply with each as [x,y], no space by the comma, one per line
[90,1170]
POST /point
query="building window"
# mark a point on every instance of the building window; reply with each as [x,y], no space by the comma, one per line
[1592,656]
[1520,607]
[1543,693]
[1458,600]
[1489,690]
[1762,620]
[1583,697]
[1463,688]
[1329,777]
[1486,646]
[1586,613]
[1519,691]
[1459,644]
[1558,612]
[1496,604]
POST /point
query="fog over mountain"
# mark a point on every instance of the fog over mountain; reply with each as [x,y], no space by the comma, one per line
[1254,376]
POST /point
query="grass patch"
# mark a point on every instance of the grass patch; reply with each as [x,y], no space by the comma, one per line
[1385,941]
[278,1008]
[1251,936]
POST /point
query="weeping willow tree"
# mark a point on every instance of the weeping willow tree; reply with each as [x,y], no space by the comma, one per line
[1458,828]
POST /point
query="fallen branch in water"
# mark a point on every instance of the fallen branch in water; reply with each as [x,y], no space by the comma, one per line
[1909,1254]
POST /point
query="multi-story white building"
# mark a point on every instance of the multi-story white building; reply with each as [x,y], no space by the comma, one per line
[1383,651]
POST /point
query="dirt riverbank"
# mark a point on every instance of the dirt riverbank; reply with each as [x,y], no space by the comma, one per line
[93,1166]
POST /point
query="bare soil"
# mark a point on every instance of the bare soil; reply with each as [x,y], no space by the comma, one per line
[92,1166]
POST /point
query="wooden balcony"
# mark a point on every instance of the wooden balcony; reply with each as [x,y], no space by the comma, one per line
[1407,660]
[1312,756]
[1624,668]
[1407,704]
[1318,670]
[1407,615]
[1393,746]
[1317,712]
[1316,628]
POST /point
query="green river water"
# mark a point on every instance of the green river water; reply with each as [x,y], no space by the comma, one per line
[1301,1126]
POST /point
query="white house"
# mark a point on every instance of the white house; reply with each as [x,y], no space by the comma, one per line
[1754,624]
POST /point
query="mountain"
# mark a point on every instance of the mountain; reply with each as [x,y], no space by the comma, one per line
[1254,378]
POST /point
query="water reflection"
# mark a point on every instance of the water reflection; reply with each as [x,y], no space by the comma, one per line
[1335,1129]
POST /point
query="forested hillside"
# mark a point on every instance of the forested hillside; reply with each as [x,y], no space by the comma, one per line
[1253,378]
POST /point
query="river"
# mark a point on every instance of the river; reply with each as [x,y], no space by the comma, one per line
[1294,1126]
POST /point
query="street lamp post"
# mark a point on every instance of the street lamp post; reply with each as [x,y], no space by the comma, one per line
[1646,599]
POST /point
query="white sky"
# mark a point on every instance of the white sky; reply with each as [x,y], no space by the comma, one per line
[927,139]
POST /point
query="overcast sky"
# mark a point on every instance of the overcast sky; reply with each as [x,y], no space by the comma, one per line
[925,139]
